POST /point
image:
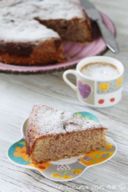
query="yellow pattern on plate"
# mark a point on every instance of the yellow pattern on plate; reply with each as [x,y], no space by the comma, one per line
[98,156]
[22,153]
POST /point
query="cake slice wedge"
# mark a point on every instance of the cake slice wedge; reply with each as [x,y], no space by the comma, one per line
[29,43]
[52,134]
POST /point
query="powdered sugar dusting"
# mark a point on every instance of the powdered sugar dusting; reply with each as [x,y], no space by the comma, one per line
[18,18]
[11,30]
[77,123]
[56,9]
[52,121]
[48,120]
[45,9]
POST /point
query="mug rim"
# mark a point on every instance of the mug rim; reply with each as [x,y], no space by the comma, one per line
[107,59]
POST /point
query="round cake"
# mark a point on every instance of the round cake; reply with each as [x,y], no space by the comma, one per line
[32,32]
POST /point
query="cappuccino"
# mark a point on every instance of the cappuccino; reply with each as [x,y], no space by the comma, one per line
[102,71]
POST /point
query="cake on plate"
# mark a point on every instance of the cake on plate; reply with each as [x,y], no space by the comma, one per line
[52,134]
[32,32]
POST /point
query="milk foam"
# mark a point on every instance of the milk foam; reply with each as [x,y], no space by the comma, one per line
[103,71]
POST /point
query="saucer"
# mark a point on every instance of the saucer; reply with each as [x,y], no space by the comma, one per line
[65,169]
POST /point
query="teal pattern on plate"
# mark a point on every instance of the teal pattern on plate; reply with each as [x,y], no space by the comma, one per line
[88,116]
[12,150]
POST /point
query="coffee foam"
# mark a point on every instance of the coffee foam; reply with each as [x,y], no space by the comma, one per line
[103,71]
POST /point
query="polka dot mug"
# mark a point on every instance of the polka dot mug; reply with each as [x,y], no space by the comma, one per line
[97,92]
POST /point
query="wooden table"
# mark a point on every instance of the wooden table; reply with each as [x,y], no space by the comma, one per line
[18,93]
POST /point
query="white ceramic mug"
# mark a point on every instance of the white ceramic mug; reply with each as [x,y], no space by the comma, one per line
[97,92]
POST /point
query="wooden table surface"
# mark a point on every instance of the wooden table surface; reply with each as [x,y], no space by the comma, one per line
[18,93]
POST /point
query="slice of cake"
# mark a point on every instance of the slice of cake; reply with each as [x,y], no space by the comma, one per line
[52,134]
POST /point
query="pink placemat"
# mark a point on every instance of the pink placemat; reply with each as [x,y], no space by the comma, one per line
[73,51]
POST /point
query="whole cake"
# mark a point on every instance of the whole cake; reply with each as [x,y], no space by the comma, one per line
[53,134]
[32,31]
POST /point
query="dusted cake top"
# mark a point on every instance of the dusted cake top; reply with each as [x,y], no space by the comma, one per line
[77,123]
[24,31]
[47,120]
[45,9]
[57,9]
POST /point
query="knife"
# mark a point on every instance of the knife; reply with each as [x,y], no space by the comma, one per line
[107,35]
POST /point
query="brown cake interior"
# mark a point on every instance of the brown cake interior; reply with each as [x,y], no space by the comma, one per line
[77,29]
[67,145]
[50,51]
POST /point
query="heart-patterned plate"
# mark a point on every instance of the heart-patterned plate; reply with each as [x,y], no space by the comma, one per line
[66,169]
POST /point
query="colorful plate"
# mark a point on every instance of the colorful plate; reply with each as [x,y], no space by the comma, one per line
[67,169]
[74,51]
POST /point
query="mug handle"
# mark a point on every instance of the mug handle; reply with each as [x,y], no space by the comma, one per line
[71,72]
